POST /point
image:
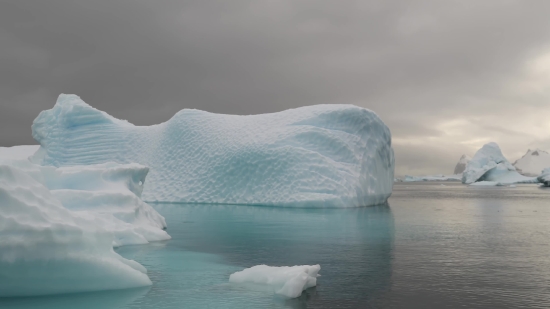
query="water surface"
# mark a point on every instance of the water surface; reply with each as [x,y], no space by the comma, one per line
[434,246]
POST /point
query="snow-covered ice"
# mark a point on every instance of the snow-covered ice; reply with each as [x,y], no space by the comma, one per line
[433,178]
[461,165]
[533,162]
[491,167]
[18,152]
[288,281]
[108,194]
[48,249]
[315,156]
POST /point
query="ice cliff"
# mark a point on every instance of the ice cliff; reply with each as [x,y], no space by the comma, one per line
[533,162]
[490,166]
[48,249]
[315,156]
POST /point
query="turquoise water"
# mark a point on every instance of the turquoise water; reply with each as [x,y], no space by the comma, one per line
[433,246]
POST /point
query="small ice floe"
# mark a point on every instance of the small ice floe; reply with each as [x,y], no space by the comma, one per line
[512,186]
[288,281]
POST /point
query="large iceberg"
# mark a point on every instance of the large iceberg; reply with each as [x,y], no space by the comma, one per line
[315,156]
[48,249]
[288,281]
[491,167]
[533,162]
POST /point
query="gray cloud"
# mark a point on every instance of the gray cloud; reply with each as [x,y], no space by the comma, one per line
[444,75]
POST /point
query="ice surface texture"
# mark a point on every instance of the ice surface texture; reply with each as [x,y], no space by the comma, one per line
[286,281]
[490,166]
[108,194]
[315,156]
[47,249]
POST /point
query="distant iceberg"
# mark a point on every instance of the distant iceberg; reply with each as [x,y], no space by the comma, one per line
[285,281]
[489,166]
[48,249]
[461,165]
[533,162]
[433,178]
[315,156]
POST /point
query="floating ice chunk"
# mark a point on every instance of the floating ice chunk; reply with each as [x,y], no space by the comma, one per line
[314,156]
[489,165]
[288,281]
[47,249]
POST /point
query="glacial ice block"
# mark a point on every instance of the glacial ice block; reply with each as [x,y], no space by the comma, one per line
[490,166]
[47,249]
[314,156]
[286,281]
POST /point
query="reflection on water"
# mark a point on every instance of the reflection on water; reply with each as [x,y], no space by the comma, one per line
[449,246]
[353,246]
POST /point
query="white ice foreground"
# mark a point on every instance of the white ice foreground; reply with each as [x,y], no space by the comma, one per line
[48,249]
[58,226]
[288,281]
[314,156]
[490,167]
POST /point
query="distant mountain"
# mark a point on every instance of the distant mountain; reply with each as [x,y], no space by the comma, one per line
[461,165]
[533,162]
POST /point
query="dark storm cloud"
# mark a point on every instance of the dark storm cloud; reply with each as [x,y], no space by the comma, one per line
[435,71]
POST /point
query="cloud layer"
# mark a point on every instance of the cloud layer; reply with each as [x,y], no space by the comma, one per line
[446,76]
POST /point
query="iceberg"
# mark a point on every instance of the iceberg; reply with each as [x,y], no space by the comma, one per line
[286,281]
[490,167]
[48,249]
[314,156]
[544,177]
[461,165]
[433,178]
[533,162]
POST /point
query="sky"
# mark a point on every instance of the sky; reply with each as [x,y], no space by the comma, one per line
[445,76]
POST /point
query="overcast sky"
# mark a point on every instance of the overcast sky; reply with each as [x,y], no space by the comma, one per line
[445,76]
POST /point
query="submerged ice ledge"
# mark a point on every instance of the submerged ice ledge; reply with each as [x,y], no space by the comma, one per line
[315,156]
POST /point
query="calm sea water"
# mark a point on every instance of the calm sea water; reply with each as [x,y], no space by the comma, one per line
[434,246]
